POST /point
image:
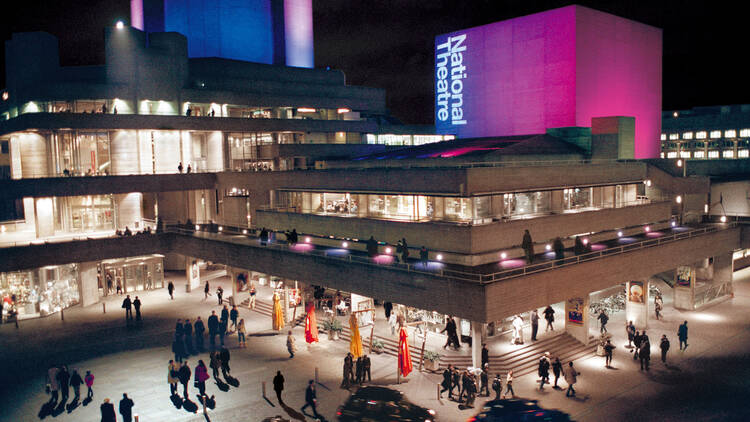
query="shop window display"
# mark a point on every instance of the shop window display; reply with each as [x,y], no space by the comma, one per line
[40,292]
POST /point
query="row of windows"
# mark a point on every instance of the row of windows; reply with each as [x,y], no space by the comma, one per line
[728,153]
[729,133]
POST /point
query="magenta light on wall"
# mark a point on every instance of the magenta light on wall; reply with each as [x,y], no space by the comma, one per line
[136,14]
[298,33]
[557,68]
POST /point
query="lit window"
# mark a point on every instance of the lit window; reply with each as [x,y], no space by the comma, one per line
[687,135]
[730,133]
[743,153]
[663,136]
[745,133]
[699,154]
[713,154]
[662,155]
[700,135]
[672,154]
[673,136]
[371,139]
[715,134]
[684,154]
[728,153]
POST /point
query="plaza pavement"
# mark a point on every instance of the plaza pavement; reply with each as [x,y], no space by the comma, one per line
[707,382]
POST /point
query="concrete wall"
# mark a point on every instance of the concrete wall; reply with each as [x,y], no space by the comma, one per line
[45,217]
[88,283]
[33,154]
[128,211]
[730,198]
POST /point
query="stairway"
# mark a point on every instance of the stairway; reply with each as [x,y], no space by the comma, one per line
[525,360]
[265,308]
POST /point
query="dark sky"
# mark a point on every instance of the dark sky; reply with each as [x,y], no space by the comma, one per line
[389,43]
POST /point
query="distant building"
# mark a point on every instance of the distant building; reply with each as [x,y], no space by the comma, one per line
[706,132]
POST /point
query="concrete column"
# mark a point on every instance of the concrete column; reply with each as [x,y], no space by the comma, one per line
[33,155]
[476,344]
[636,303]
[684,288]
[723,270]
[128,206]
[577,318]
[557,199]
[192,274]
[44,212]
[287,315]
[88,283]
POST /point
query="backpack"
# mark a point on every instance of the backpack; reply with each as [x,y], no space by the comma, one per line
[496,384]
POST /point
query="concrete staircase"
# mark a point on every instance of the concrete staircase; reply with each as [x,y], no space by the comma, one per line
[266,308]
[525,359]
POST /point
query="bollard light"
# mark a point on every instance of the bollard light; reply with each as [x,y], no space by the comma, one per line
[345,244]
[120,25]
[619,233]
[674,223]
[723,219]
[548,247]
[678,199]
[647,229]
[221,228]
[197,227]
[503,255]
[244,231]
[585,241]
[387,250]
[307,239]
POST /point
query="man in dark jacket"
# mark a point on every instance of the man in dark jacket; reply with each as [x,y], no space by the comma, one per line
[108,411]
[224,356]
[63,380]
[233,315]
[549,315]
[310,398]
[485,380]
[128,306]
[170,288]
[456,383]
[278,385]
[645,354]
[178,330]
[137,306]
[184,375]
[199,330]
[187,332]
[664,346]
[447,380]
[213,328]
[126,408]
[366,368]
[485,355]
[75,382]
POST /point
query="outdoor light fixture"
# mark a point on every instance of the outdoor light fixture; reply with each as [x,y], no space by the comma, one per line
[679,163]
[647,228]
[307,239]
[439,257]
[705,209]
[120,25]
[674,223]
[503,255]
[244,231]
[647,182]
[678,199]
[387,250]
[723,219]
[197,227]
[585,241]
[548,247]
[221,228]
[619,233]
[306,110]
[675,114]
[5,95]
[343,110]
[345,244]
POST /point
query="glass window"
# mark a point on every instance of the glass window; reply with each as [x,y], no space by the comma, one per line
[700,135]
[377,205]
[684,154]
[526,203]
[730,133]
[673,136]
[713,154]
[699,154]
[687,135]
[458,209]
[727,153]
[577,198]
[743,153]
[663,136]
[715,134]
[672,154]
[482,207]
[745,133]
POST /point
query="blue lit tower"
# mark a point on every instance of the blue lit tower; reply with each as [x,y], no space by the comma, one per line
[261,31]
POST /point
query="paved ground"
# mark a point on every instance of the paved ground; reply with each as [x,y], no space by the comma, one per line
[708,382]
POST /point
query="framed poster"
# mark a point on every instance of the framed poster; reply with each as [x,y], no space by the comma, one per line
[575,311]
[684,276]
[635,292]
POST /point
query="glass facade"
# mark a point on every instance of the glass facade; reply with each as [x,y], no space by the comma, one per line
[41,291]
[132,274]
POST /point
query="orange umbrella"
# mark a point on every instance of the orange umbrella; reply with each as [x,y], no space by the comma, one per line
[277,315]
[355,344]
[404,358]
[311,324]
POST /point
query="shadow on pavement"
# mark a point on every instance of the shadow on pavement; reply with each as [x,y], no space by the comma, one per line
[189,406]
[222,385]
[46,409]
[297,416]
[72,406]
[234,382]
[176,401]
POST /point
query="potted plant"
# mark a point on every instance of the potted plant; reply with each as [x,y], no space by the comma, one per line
[377,346]
[334,328]
[431,360]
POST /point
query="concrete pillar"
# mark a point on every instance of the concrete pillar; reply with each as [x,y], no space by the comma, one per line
[167,151]
[124,152]
[476,344]
[577,318]
[45,221]
[287,314]
[33,155]
[192,274]
[128,211]
[88,283]
[723,270]
[636,303]
[684,288]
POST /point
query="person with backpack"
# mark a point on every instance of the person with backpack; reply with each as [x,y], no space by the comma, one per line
[497,386]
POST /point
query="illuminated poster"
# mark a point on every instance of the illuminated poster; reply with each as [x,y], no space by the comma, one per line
[684,276]
[635,292]
[575,311]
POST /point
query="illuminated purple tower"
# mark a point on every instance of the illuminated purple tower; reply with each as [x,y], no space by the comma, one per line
[261,31]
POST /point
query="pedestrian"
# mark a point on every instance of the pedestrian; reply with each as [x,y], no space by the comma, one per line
[189,169]
[528,246]
[63,378]
[173,376]
[471,393]
[178,329]
[184,376]
[571,376]
[517,330]
[241,333]
[658,306]
[682,334]
[404,250]
[278,385]
[608,348]
[557,370]
[53,383]
[137,306]
[187,332]
[108,411]
[464,386]
[366,364]
[170,289]
[485,355]
[549,315]
[213,328]
[603,319]
[423,255]
[75,382]
[178,348]
[358,370]
[630,329]
[233,315]
[446,384]
[263,236]
[559,249]
[179,167]
[89,379]
[455,382]
[222,330]
[201,375]
[636,344]
[534,324]
[128,306]
[485,380]
[253,292]
[509,385]
[219,295]
[387,308]
[290,346]
[347,370]
[199,330]
[224,357]
[645,354]
[543,371]
[126,408]
[450,330]
[119,287]
[310,398]
[372,247]
[206,291]
[497,386]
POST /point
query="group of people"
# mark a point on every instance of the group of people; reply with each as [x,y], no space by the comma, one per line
[466,383]
[546,362]
[181,373]
[128,305]
[189,337]
[355,372]
[311,398]
[59,382]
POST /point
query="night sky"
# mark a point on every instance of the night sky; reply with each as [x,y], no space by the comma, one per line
[389,44]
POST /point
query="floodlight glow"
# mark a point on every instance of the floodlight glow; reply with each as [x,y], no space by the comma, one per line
[244,231]
[678,199]
[387,250]
[306,110]
[343,110]
[221,228]
[503,255]
[120,25]
[674,223]
[307,239]
[439,257]
[585,241]
[197,227]
[345,244]
[679,163]
[647,229]
[619,233]
[548,247]
[723,219]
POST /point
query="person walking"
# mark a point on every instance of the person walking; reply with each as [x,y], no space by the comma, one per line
[682,334]
[497,386]
[241,333]
[224,357]
[170,289]
[206,291]
[108,411]
[603,319]
[311,398]
[484,377]
[645,354]
[128,306]
[89,379]
[549,315]
[348,363]
[372,247]
[178,348]
[509,385]
[278,385]
[366,364]
[485,355]
[664,346]
[213,329]
[253,292]
[214,363]
[224,317]
[543,371]
[630,329]
[557,370]
[290,346]
[571,376]
[450,330]
[528,246]
[358,371]
[75,382]
[201,375]
[446,384]
[187,333]
[126,408]
[137,306]
[423,255]
[63,379]
[219,295]
[608,348]
[636,344]
[54,383]
[233,315]
[534,324]
[658,306]
[222,330]
[184,375]
[173,376]
[119,287]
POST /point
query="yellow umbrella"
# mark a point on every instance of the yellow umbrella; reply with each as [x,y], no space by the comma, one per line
[278,314]
[355,345]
